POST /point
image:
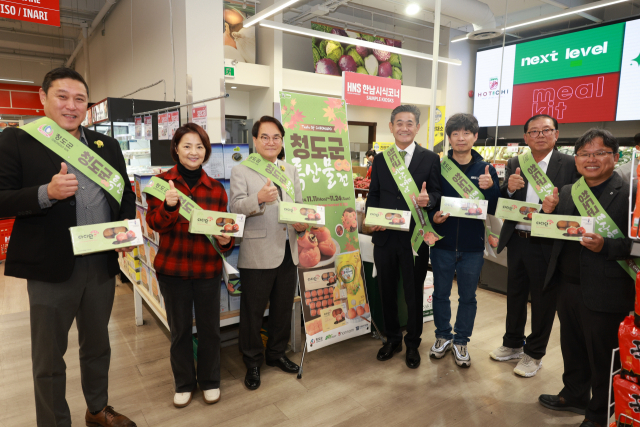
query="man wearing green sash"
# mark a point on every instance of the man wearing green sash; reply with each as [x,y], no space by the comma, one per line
[594,284]
[531,177]
[393,250]
[50,180]
[461,252]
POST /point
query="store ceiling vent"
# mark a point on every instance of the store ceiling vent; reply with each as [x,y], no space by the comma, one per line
[485,34]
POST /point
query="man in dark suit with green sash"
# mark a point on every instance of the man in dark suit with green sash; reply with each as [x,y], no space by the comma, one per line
[48,194]
[593,279]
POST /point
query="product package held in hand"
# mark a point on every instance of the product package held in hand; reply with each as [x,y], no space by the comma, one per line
[388,218]
[292,213]
[564,227]
[516,210]
[88,239]
[215,223]
[464,208]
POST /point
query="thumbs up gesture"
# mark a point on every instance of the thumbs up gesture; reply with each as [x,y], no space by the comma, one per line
[171,196]
[516,182]
[550,202]
[423,197]
[62,184]
[485,181]
[268,193]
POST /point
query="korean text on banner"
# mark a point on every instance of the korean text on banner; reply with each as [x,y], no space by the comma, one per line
[335,304]
[45,12]
[148,127]
[371,91]
[199,116]
[438,135]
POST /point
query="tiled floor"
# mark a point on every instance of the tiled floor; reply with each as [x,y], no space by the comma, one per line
[343,384]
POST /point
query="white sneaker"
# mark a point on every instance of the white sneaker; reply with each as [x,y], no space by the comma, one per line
[180,400]
[211,396]
[439,348]
[461,355]
[528,366]
[502,353]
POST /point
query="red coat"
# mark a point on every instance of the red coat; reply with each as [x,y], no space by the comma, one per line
[181,253]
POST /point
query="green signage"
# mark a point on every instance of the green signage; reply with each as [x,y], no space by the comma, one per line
[229,71]
[583,53]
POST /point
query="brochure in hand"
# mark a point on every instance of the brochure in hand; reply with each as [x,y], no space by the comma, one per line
[464,208]
[565,227]
[89,239]
[293,213]
[516,210]
[214,223]
[388,218]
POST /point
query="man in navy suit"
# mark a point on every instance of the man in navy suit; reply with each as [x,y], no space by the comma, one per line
[392,253]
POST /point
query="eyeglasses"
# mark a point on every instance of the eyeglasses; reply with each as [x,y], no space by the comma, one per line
[597,155]
[545,132]
[266,138]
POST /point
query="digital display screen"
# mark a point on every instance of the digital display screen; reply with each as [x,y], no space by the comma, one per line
[584,76]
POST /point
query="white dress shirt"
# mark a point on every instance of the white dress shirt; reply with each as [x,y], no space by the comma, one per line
[532,197]
[409,150]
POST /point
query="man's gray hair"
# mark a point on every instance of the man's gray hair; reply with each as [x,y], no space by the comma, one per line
[408,108]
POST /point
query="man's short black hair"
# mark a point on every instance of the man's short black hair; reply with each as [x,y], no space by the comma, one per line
[593,133]
[406,108]
[540,116]
[62,73]
[265,119]
[462,121]
[370,153]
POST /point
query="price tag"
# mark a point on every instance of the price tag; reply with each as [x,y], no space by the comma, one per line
[512,147]
[500,169]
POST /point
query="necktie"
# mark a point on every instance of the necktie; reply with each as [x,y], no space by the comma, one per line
[402,154]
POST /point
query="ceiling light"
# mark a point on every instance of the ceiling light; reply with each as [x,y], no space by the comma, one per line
[350,41]
[575,10]
[16,81]
[412,9]
[459,38]
[234,87]
[271,10]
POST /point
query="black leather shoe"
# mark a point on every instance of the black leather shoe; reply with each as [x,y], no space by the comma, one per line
[413,358]
[589,423]
[558,403]
[387,350]
[285,364]
[252,379]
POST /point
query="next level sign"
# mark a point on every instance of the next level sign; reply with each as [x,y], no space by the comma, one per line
[370,91]
[45,12]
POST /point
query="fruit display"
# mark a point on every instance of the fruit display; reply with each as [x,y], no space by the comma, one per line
[333,58]
[359,182]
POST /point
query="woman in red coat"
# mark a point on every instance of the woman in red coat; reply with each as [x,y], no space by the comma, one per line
[188,267]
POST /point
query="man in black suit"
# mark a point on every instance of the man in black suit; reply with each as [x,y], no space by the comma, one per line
[48,196]
[528,257]
[392,250]
[595,293]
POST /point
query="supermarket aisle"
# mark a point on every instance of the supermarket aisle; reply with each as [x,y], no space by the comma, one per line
[342,385]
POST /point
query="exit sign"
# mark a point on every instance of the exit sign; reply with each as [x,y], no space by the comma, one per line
[229,72]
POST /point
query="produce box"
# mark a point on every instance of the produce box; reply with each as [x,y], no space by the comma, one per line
[151,254]
[140,182]
[133,274]
[154,286]
[141,214]
[144,276]
[135,253]
[292,213]
[388,218]
[143,250]
[89,239]
[515,210]
[464,208]
[134,264]
[564,227]
[215,223]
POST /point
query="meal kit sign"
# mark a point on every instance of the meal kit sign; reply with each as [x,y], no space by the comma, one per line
[334,298]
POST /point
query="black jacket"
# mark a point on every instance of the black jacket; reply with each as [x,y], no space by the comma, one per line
[40,246]
[465,234]
[561,171]
[384,193]
[605,286]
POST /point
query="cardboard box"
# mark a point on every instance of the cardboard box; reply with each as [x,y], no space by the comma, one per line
[144,275]
[133,274]
[133,264]
[292,213]
[388,218]
[143,251]
[134,254]
[215,223]
[141,214]
[224,298]
[565,227]
[154,286]
[89,239]
[516,210]
[464,208]
[234,302]
[151,254]
[140,182]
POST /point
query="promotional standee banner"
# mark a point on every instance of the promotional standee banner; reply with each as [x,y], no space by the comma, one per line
[438,134]
[332,287]
[334,58]
[239,42]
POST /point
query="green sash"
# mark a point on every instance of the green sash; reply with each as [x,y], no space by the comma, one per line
[540,182]
[459,181]
[77,154]
[158,187]
[270,171]
[588,205]
[410,192]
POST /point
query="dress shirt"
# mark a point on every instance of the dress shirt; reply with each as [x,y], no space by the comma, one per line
[409,150]
[532,196]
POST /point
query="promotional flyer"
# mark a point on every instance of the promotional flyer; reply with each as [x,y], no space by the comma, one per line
[317,144]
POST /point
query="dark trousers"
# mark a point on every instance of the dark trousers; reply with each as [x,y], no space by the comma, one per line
[277,287]
[394,257]
[587,339]
[87,297]
[181,296]
[527,268]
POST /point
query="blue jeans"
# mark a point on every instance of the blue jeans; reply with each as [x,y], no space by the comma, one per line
[467,266]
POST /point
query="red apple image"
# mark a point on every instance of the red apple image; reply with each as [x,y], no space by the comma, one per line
[228,227]
[395,221]
[581,230]
[121,237]
[311,217]
[572,230]
[318,217]
[479,211]
[131,234]
[235,227]
[402,221]
[472,211]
